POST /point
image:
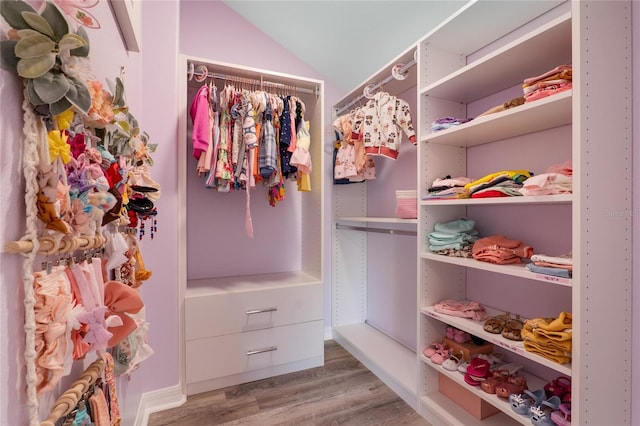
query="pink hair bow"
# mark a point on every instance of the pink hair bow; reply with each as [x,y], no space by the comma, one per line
[121,300]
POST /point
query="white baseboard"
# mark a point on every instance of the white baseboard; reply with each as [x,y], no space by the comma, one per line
[159,400]
[328,333]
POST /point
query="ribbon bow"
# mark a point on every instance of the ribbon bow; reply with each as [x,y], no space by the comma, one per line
[58,146]
[121,300]
[98,334]
[64,119]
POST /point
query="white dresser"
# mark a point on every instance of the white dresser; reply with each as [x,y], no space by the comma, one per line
[245,328]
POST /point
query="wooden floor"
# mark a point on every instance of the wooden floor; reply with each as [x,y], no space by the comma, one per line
[342,392]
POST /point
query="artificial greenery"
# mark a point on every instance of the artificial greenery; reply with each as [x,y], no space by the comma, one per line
[40,49]
[125,136]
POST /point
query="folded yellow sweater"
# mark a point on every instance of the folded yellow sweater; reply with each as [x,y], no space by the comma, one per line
[558,356]
[537,339]
[563,322]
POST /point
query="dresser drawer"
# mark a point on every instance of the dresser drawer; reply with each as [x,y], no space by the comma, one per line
[221,313]
[221,356]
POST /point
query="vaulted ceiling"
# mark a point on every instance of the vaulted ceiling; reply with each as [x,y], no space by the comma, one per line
[345,41]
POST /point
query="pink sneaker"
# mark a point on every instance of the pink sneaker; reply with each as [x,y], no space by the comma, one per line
[562,416]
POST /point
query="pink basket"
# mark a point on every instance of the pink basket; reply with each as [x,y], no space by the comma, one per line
[406,204]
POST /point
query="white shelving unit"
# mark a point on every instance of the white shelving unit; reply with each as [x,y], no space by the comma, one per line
[482,53]
[253,307]
[477,54]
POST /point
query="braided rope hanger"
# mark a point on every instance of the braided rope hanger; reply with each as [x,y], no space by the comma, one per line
[32,130]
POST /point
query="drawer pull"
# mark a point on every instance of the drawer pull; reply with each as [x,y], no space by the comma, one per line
[259,351]
[261,311]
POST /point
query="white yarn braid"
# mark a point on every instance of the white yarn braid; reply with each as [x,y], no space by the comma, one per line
[32,130]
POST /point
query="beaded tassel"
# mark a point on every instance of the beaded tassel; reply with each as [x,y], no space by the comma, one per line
[141,229]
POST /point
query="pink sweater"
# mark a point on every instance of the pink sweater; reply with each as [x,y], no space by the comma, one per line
[201,125]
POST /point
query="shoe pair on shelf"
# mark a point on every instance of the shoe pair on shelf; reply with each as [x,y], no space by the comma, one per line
[457,335]
[536,406]
[549,406]
[440,354]
[494,360]
[504,383]
[548,412]
[437,352]
[509,327]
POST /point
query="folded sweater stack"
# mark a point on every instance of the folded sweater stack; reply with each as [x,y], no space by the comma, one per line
[549,337]
[444,123]
[453,238]
[462,309]
[557,179]
[500,250]
[551,82]
[447,187]
[506,183]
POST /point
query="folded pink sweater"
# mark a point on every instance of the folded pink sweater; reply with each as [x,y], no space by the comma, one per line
[501,250]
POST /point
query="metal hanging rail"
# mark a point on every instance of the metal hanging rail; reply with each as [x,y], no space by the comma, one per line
[251,81]
[376,230]
[376,86]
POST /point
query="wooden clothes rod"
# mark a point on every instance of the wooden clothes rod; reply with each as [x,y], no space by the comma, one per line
[260,82]
[70,398]
[376,230]
[49,245]
[401,71]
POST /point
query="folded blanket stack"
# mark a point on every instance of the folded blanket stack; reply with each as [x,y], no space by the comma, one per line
[557,266]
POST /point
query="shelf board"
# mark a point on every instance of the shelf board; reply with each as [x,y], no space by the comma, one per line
[372,219]
[475,328]
[513,270]
[502,404]
[525,199]
[390,361]
[242,283]
[546,47]
[505,17]
[546,113]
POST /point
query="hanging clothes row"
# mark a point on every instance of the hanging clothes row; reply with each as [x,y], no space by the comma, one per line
[374,129]
[243,137]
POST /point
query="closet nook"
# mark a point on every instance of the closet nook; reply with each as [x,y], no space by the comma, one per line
[476,115]
[374,264]
[253,300]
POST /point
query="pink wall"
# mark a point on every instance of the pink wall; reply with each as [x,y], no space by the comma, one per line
[391,259]
[158,114]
